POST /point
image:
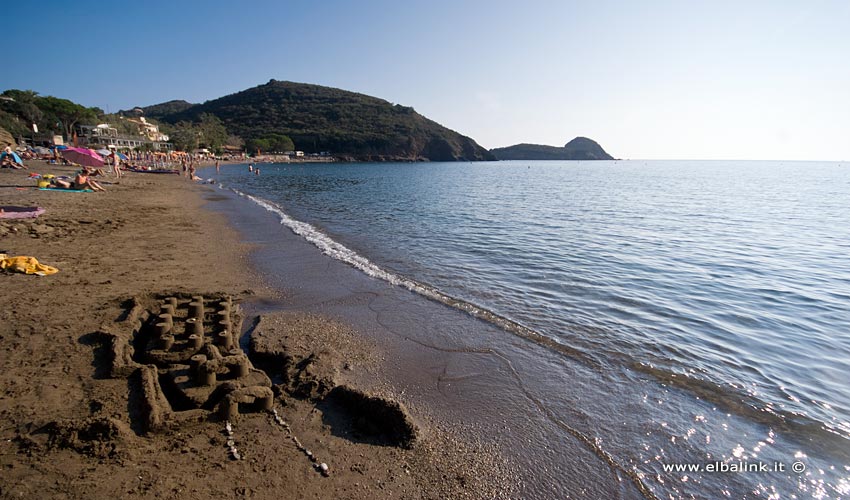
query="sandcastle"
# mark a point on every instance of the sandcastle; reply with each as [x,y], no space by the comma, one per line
[187,363]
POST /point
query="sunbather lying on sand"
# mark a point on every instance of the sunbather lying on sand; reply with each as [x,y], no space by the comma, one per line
[81,181]
[92,172]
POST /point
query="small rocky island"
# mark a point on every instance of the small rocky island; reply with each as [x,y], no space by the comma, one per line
[580,148]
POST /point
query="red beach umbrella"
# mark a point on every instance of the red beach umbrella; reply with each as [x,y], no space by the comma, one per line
[83,156]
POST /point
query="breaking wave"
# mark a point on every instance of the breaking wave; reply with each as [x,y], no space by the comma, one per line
[338,251]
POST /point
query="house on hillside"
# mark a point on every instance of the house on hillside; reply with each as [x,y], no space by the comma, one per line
[149,130]
[104,136]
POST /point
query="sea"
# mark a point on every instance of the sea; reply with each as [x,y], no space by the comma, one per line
[657,329]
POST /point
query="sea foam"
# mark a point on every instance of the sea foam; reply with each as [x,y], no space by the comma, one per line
[338,251]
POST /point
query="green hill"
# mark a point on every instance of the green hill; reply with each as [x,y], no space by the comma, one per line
[349,125]
[580,148]
[157,111]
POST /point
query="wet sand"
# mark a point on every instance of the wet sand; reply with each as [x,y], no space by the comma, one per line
[70,428]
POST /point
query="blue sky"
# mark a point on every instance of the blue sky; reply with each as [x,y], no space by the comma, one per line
[646,79]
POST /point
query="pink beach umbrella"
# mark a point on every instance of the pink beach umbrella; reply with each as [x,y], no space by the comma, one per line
[83,156]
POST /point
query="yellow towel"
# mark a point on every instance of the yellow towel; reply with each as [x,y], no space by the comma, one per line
[26,265]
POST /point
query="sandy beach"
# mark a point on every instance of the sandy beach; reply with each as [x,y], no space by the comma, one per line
[72,425]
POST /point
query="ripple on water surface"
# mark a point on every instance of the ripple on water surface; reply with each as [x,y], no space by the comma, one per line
[725,282]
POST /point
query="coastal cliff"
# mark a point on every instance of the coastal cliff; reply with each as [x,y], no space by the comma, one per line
[580,148]
[351,126]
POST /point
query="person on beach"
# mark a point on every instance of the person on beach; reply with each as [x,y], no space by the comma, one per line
[9,160]
[92,172]
[217,167]
[257,171]
[192,175]
[116,164]
[82,181]
[59,184]
[250,167]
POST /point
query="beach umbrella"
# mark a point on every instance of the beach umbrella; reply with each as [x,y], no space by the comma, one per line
[42,151]
[13,155]
[104,152]
[83,156]
[122,156]
[61,147]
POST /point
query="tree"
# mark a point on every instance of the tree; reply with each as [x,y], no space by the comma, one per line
[212,133]
[235,141]
[184,136]
[279,143]
[209,132]
[24,106]
[256,146]
[21,95]
[67,113]
[12,124]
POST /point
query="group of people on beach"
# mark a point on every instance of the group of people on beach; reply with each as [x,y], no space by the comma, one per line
[189,169]
[83,178]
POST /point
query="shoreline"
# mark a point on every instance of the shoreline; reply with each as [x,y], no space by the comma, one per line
[463,372]
[570,426]
[70,426]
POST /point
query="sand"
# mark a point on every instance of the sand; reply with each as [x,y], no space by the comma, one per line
[69,423]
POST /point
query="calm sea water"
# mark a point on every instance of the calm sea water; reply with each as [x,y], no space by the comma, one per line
[726,281]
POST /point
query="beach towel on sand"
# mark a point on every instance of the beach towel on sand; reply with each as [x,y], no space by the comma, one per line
[20,212]
[26,265]
[63,190]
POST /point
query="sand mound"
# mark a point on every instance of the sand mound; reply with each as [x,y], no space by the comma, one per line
[99,437]
[374,419]
[295,350]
